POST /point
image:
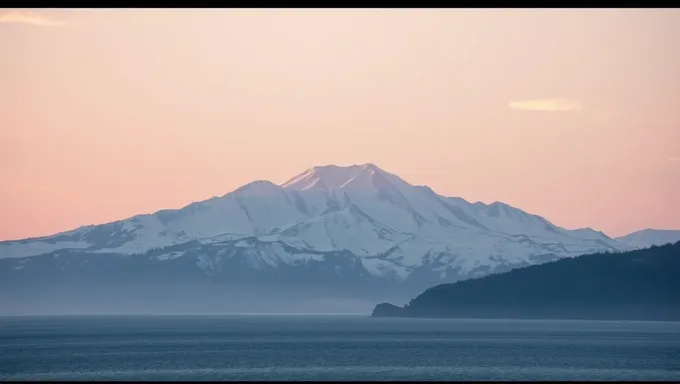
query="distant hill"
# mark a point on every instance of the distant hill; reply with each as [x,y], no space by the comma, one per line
[637,285]
[648,237]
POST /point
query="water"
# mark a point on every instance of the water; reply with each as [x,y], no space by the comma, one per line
[333,348]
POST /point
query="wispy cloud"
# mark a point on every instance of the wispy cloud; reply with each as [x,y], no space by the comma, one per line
[29,17]
[546,105]
[674,159]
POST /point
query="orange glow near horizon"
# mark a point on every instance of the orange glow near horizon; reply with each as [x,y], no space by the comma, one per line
[573,115]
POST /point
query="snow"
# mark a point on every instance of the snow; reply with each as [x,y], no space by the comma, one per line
[393,226]
[324,178]
[384,268]
[170,256]
[15,249]
[648,237]
[301,257]
[149,233]
[346,229]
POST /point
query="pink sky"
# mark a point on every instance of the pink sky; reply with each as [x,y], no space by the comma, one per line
[570,114]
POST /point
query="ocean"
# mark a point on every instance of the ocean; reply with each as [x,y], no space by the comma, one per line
[333,347]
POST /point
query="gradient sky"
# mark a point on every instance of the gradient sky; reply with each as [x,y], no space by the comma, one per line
[570,114]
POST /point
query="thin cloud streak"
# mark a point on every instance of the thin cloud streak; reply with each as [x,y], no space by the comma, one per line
[546,105]
[674,159]
[31,18]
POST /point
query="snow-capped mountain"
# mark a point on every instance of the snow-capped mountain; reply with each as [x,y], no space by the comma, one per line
[648,237]
[357,218]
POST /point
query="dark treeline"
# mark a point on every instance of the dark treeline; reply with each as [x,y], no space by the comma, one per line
[636,285]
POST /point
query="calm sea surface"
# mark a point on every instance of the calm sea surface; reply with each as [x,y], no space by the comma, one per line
[333,348]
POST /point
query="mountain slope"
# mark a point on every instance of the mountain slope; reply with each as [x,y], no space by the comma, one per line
[392,229]
[641,284]
[648,237]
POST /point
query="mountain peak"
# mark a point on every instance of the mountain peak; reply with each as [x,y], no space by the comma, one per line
[370,166]
[259,187]
[331,177]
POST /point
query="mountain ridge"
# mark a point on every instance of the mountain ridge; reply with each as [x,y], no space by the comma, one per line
[647,237]
[284,185]
[392,227]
